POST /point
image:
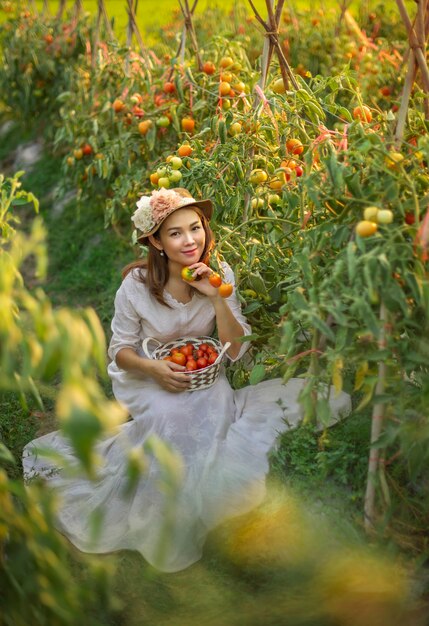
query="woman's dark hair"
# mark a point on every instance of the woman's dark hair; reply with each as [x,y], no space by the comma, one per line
[153,270]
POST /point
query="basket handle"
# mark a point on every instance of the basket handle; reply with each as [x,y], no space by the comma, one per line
[222,352]
[146,340]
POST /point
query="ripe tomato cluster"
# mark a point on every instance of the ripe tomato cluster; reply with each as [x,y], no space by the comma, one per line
[193,357]
[224,289]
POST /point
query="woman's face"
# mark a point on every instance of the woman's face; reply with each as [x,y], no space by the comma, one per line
[182,237]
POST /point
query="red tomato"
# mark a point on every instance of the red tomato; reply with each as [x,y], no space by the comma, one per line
[212,357]
[191,365]
[215,280]
[202,362]
[187,350]
[203,347]
[200,353]
[178,358]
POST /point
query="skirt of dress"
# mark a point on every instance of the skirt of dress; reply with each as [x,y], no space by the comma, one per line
[223,438]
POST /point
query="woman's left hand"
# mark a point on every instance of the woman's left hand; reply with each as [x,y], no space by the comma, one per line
[203,285]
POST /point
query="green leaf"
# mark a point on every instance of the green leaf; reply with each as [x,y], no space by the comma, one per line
[257,374]
[6,455]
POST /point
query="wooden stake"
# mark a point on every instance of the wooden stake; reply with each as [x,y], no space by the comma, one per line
[271,27]
[188,13]
[61,7]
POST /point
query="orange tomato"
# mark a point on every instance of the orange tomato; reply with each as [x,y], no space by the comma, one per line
[224,88]
[179,358]
[188,124]
[144,126]
[215,280]
[365,228]
[118,106]
[290,163]
[294,146]
[169,87]
[209,67]
[154,178]
[362,113]
[184,150]
[226,62]
[225,290]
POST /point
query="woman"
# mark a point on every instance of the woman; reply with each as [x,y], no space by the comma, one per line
[221,437]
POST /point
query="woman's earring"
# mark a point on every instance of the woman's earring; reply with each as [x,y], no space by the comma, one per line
[161,253]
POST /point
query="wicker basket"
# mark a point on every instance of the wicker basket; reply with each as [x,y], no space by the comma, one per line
[200,379]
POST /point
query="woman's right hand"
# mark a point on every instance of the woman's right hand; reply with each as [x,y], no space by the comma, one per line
[169,375]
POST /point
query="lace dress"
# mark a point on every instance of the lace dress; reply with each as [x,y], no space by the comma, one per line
[222,436]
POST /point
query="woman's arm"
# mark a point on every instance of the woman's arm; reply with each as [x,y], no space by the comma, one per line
[166,373]
[126,340]
[228,328]
[230,322]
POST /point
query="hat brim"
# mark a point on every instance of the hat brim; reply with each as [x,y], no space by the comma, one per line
[205,206]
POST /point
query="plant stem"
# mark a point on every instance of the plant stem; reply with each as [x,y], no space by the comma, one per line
[376,429]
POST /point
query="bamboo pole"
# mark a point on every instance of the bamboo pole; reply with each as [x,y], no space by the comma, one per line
[96,34]
[107,24]
[417,35]
[405,99]
[77,9]
[376,429]
[129,26]
[271,27]
[33,6]
[188,13]
[61,7]
[415,44]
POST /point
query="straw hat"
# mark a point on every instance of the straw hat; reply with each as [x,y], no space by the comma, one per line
[153,210]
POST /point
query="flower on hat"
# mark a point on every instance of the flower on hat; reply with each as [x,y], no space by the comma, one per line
[164,201]
[142,217]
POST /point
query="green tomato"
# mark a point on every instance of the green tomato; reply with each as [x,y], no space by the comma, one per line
[370,213]
[274,198]
[176,163]
[385,216]
[164,182]
[257,203]
[175,176]
[163,121]
[161,171]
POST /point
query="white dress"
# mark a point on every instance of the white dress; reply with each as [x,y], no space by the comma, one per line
[223,437]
